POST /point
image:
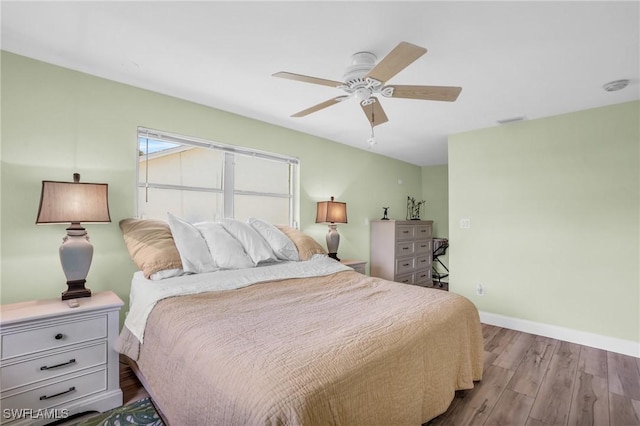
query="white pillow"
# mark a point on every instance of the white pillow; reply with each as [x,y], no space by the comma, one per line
[255,246]
[166,273]
[281,245]
[194,253]
[227,252]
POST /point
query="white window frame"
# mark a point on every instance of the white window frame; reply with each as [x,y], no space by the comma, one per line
[228,173]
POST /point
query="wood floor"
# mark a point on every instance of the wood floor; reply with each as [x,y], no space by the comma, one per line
[534,381]
[529,381]
[132,389]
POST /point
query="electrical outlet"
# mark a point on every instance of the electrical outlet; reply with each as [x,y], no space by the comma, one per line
[465,223]
[479,289]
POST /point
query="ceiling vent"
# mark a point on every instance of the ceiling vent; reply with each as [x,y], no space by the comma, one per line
[511,120]
[613,86]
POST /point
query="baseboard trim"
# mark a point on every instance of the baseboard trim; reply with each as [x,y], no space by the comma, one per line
[611,344]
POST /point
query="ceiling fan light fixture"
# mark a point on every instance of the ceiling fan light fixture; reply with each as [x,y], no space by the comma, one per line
[362,94]
[372,140]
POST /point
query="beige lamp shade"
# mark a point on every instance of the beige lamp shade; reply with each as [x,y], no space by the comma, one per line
[73,202]
[331,211]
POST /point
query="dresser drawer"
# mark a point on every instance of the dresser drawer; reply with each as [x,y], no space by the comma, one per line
[404,266]
[423,247]
[423,278]
[423,262]
[423,231]
[54,336]
[58,393]
[405,248]
[405,279]
[405,232]
[34,370]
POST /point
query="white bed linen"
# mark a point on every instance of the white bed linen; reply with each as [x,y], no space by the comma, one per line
[146,293]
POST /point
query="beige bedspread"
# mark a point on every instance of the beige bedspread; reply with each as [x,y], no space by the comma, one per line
[339,350]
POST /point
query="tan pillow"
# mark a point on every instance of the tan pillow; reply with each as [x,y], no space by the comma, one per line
[150,245]
[306,245]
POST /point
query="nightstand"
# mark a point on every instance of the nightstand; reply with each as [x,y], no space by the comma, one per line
[58,361]
[357,265]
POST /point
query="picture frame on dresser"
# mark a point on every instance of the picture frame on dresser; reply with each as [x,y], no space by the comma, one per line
[57,360]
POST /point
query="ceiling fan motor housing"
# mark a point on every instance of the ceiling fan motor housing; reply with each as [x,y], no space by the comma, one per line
[361,64]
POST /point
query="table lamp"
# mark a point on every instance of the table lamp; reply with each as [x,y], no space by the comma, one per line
[332,212]
[74,202]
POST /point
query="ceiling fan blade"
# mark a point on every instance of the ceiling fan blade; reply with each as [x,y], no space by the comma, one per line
[397,60]
[307,79]
[320,106]
[374,112]
[430,93]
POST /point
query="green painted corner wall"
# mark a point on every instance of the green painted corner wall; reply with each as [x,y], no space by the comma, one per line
[555,221]
[435,192]
[56,121]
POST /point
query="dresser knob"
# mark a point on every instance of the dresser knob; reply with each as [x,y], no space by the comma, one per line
[59,336]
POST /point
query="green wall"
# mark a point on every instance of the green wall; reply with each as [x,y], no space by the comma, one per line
[435,191]
[553,206]
[56,122]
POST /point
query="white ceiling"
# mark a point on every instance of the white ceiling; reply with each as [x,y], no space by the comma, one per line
[532,59]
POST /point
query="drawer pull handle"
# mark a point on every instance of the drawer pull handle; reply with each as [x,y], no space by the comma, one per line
[405,232]
[423,246]
[71,389]
[58,336]
[405,248]
[405,264]
[405,281]
[46,367]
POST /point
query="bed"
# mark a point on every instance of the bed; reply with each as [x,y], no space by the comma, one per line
[299,342]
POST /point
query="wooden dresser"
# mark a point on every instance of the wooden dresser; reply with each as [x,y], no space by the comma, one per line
[401,250]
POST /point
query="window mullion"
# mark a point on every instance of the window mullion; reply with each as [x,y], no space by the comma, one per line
[228,184]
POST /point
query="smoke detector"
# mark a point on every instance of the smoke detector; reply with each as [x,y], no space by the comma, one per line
[613,86]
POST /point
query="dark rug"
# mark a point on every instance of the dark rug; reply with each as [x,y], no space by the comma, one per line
[140,412]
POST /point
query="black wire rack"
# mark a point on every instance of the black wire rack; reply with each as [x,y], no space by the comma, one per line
[440,246]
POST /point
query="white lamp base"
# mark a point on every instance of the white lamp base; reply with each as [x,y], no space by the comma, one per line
[76,253]
[333,241]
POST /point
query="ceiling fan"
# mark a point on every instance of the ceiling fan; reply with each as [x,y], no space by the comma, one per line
[364,79]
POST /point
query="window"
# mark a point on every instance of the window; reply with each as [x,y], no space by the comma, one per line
[201,180]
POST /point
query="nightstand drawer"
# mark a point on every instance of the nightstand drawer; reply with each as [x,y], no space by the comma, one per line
[58,393]
[357,265]
[34,370]
[54,336]
[359,268]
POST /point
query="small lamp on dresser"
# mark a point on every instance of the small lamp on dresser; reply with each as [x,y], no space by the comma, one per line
[332,212]
[74,202]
